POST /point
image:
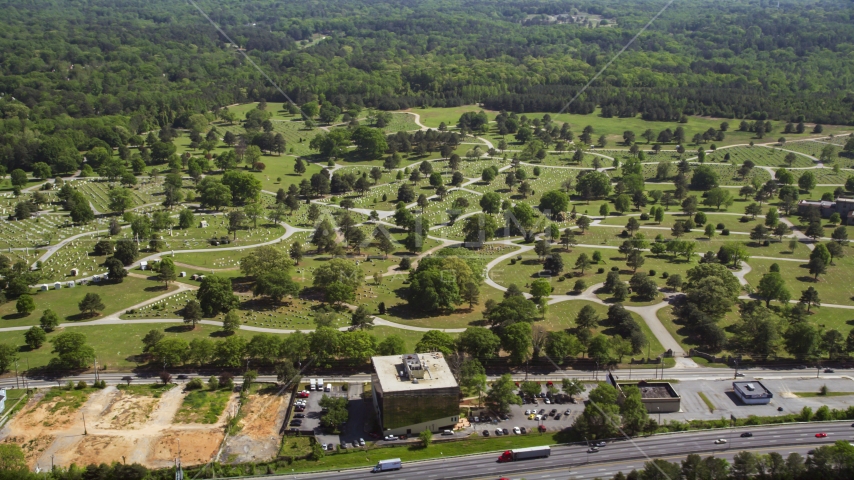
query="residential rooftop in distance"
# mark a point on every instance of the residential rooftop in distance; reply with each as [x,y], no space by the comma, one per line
[412,372]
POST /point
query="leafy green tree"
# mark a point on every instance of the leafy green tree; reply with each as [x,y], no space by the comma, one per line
[231,322]
[49,320]
[481,343]
[502,394]
[635,416]
[435,341]
[773,287]
[91,304]
[392,345]
[25,305]
[516,339]
[215,295]
[8,355]
[71,350]
[35,337]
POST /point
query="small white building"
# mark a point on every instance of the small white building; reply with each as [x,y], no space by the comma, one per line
[203,224]
[182,274]
[57,285]
[143,265]
[45,287]
[70,284]
[75,272]
[96,278]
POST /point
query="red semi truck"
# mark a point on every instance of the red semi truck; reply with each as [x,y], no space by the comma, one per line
[525,453]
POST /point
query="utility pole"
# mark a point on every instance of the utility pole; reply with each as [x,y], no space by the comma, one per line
[85,432]
[16,375]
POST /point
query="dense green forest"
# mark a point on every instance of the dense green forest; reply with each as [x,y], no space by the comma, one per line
[106,69]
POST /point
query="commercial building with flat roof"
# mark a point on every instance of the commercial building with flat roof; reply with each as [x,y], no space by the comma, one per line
[752,392]
[414,392]
[657,397]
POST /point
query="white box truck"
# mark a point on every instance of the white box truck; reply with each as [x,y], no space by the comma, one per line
[328,387]
[386,465]
[525,453]
[313,384]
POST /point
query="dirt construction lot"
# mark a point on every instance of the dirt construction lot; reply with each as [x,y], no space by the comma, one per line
[259,437]
[136,425]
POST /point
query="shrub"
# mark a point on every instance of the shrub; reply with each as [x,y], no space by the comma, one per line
[725,231]
[194,384]
[213,383]
[615,269]
[512,261]
[580,285]
[652,273]
[744,219]
[664,274]
[405,263]
[69,385]
[600,270]
[644,216]
[720,226]
[81,385]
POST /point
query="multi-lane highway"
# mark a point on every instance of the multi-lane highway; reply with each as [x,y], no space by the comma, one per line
[573,461]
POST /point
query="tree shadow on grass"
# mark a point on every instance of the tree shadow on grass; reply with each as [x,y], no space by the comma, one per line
[79,317]
[178,329]
[15,316]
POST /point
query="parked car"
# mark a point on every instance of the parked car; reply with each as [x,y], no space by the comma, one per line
[299,415]
[547,401]
[486,433]
[361,442]
[553,412]
[557,417]
[542,411]
[476,419]
[542,428]
[567,412]
[533,416]
[498,432]
[505,431]
[323,446]
[389,437]
[524,431]
[296,422]
[517,431]
[330,447]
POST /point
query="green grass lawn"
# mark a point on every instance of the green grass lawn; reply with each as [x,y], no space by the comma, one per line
[203,406]
[154,390]
[64,302]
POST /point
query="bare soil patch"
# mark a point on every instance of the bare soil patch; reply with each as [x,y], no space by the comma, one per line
[259,438]
[130,425]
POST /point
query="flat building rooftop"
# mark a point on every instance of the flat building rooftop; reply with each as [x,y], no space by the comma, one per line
[653,390]
[413,372]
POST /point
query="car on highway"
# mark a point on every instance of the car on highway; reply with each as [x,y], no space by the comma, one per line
[592,450]
[486,433]
[600,444]
[801,367]
[746,435]
[182,377]
[517,431]
[821,435]
[828,370]
[739,374]
[720,441]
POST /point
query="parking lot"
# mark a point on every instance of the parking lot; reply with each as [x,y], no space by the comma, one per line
[358,413]
[563,416]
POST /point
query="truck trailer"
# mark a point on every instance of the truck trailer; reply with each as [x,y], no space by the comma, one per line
[386,465]
[525,453]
